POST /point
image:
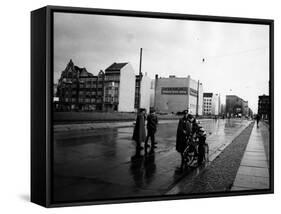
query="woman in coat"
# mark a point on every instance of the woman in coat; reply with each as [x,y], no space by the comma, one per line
[184,130]
[139,134]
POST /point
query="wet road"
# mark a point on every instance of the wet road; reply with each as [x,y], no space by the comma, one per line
[104,163]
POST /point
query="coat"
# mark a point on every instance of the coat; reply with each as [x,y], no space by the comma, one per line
[152,122]
[139,134]
[183,132]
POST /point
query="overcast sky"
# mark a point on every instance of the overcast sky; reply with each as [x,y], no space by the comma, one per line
[236,56]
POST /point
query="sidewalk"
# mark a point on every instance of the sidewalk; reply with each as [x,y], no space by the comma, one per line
[253,172]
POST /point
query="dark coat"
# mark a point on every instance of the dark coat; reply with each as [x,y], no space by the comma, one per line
[183,132]
[152,122]
[139,134]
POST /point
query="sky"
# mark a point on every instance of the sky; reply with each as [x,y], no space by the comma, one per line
[228,58]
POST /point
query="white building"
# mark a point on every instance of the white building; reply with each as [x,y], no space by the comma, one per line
[175,94]
[212,104]
[119,88]
[145,92]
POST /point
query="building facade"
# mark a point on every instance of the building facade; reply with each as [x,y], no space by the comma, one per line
[119,88]
[264,107]
[211,104]
[175,94]
[143,92]
[115,89]
[77,89]
[236,106]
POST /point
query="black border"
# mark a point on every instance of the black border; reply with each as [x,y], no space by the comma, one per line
[49,112]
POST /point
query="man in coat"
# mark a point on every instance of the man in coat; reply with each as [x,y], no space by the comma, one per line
[151,126]
[258,120]
[184,131]
[139,134]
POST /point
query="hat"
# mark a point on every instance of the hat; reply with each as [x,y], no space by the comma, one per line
[189,116]
[202,131]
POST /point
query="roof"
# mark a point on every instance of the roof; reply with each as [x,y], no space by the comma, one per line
[72,71]
[116,67]
[207,94]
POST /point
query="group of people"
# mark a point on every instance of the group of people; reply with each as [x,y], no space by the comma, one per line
[188,132]
[139,134]
[188,129]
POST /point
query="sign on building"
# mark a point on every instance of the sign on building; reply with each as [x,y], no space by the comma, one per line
[174,90]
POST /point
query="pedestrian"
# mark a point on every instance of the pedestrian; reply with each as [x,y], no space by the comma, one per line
[139,129]
[184,131]
[202,135]
[258,120]
[151,126]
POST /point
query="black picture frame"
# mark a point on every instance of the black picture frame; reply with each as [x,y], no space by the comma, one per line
[41,101]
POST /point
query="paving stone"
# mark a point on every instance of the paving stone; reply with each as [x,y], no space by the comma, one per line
[253,171]
[254,163]
[252,182]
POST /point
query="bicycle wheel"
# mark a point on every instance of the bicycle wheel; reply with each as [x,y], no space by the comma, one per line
[189,156]
[206,152]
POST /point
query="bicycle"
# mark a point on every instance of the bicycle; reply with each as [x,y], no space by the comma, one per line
[195,151]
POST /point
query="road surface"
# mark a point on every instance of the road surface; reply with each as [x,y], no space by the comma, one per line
[104,164]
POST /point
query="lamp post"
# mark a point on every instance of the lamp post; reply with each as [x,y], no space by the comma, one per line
[140,76]
[197,101]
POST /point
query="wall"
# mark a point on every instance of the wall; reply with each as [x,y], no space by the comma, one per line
[215,104]
[145,92]
[170,103]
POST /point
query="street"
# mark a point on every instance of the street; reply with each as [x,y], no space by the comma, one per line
[103,164]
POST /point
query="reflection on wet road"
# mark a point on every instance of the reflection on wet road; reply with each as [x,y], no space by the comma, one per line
[104,163]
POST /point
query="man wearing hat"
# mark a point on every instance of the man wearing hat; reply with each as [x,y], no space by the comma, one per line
[151,126]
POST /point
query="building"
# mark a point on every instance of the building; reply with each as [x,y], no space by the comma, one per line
[222,109]
[115,89]
[175,94]
[211,104]
[152,94]
[119,88]
[77,89]
[236,106]
[264,107]
[143,92]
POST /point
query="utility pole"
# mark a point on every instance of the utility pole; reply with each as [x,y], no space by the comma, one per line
[140,76]
[197,101]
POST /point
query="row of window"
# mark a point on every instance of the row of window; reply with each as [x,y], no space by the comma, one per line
[81,93]
[81,100]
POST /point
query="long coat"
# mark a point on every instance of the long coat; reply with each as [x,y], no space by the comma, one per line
[139,134]
[152,122]
[183,131]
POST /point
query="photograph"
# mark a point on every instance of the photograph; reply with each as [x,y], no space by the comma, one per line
[146,107]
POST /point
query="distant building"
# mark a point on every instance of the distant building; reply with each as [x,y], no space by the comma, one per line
[119,88]
[222,109]
[236,106]
[143,90]
[77,89]
[115,89]
[264,107]
[175,94]
[152,94]
[211,104]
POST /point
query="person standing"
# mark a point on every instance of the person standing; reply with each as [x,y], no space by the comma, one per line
[139,129]
[151,126]
[184,131]
[258,120]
